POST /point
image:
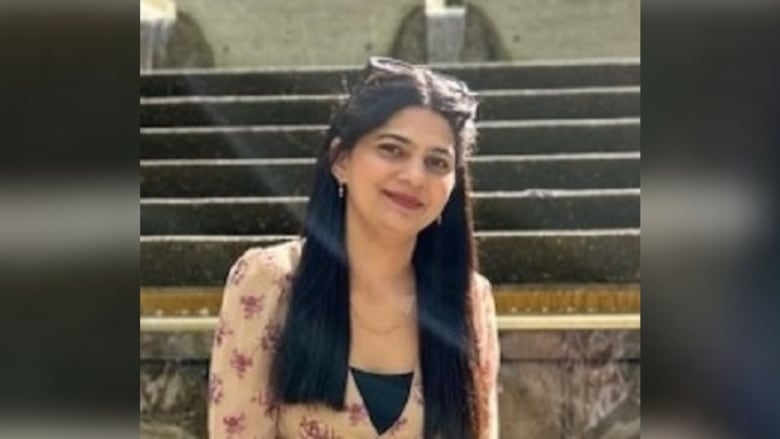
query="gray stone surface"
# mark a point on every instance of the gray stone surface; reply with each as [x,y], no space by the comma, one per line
[569,399]
[210,178]
[586,346]
[594,102]
[532,29]
[559,136]
[173,397]
[305,33]
[492,211]
[567,256]
[510,257]
[187,46]
[549,210]
[528,345]
[237,218]
[582,384]
[272,141]
[553,384]
[300,32]
[187,346]
[280,141]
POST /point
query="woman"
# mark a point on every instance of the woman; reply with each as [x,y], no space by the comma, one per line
[375,323]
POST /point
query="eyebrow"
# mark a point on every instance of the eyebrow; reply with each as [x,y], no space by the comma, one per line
[405,141]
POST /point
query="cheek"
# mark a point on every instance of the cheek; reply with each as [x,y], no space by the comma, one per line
[444,189]
[367,174]
[362,166]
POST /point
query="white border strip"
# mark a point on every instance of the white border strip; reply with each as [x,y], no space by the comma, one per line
[178,324]
[505,323]
[569,322]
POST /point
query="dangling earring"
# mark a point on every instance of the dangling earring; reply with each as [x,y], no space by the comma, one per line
[341,190]
[438,220]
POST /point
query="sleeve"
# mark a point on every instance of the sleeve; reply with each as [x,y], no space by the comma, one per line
[490,354]
[240,403]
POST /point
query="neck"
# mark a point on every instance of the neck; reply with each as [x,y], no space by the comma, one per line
[380,266]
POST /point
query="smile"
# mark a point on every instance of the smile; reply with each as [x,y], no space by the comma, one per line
[405,201]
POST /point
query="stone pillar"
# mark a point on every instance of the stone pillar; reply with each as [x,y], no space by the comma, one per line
[157,19]
[445,31]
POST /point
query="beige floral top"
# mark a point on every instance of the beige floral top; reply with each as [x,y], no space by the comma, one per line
[253,310]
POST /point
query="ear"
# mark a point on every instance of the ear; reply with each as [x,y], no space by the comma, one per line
[340,160]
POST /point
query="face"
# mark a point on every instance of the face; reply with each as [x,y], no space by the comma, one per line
[400,175]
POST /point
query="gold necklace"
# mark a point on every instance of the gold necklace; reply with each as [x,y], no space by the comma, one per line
[395,326]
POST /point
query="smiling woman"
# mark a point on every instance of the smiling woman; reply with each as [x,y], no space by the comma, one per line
[375,322]
[398,176]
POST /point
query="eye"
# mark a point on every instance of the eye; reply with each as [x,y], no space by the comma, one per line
[390,149]
[439,164]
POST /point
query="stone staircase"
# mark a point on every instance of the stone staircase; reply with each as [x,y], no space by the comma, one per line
[227,159]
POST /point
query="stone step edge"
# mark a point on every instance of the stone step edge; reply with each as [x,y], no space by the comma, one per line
[521,123]
[504,323]
[564,62]
[248,99]
[515,158]
[511,300]
[477,195]
[261,239]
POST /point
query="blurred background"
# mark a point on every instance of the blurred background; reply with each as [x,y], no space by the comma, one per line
[235,99]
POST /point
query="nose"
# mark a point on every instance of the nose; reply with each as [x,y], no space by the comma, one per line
[413,172]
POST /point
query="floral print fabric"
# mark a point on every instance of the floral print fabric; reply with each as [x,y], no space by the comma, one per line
[253,309]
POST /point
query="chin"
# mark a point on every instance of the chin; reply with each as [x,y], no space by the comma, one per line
[402,228]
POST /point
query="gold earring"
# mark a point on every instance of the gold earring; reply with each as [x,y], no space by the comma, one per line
[341,190]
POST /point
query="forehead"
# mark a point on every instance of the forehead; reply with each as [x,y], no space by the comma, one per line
[422,126]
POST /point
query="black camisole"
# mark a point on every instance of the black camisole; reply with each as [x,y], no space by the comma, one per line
[384,396]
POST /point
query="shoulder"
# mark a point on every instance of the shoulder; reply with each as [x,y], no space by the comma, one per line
[258,281]
[481,288]
[480,280]
[483,304]
[265,264]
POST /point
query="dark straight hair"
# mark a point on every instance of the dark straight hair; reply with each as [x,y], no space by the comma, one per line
[311,363]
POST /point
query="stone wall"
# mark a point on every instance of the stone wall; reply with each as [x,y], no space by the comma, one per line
[570,384]
[558,29]
[553,384]
[293,32]
[244,33]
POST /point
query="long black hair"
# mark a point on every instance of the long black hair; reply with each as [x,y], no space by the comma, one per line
[311,363]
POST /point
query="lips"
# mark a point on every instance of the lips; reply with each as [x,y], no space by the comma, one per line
[403,200]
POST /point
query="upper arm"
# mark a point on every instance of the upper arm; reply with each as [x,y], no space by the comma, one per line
[240,403]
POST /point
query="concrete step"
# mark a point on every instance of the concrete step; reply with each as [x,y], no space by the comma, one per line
[313,80]
[606,255]
[528,210]
[495,137]
[511,299]
[290,177]
[590,102]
